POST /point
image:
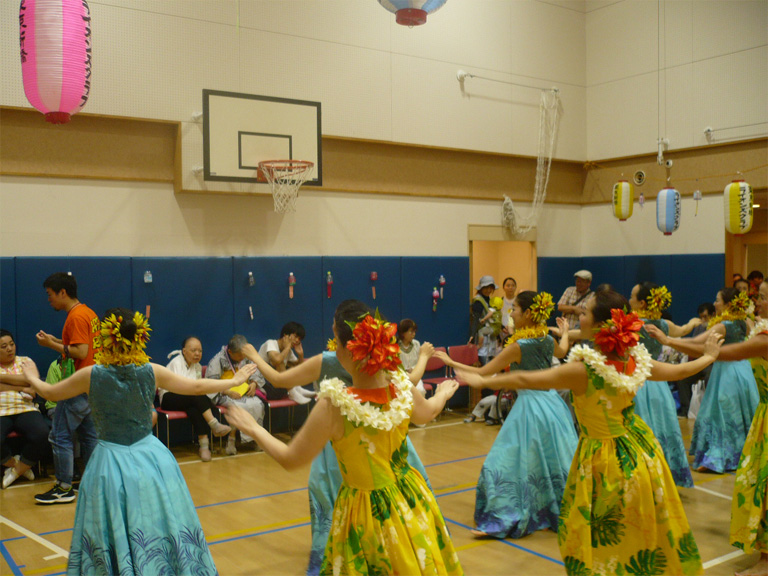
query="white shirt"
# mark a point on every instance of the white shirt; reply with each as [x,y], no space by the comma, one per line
[274,346]
[178,365]
[506,313]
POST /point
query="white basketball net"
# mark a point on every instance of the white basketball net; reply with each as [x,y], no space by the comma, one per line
[548,111]
[286,177]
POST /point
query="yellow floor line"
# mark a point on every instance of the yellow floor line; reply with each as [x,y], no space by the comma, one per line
[474,544]
[260,528]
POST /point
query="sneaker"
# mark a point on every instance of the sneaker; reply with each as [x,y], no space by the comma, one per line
[205,454]
[29,475]
[297,396]
[469,419]
[220,429]
[56,495]
[492,422]
[9,477]
[231,449]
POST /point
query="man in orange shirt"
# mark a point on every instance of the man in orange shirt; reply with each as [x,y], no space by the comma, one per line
[79,339]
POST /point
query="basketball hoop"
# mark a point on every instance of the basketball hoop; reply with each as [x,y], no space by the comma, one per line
[285,177]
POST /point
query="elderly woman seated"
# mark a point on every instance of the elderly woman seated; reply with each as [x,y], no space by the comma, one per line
[18,413]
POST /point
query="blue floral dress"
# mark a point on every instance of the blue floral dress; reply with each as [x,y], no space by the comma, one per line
[134,512]
[522,480]
[726,411]
[325,476]
[654,404]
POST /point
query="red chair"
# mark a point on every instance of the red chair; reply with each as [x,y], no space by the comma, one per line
[465,354]
[434,364]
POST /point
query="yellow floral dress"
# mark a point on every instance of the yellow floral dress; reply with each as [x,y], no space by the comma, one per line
[749,527]
[385,520]
[621,513]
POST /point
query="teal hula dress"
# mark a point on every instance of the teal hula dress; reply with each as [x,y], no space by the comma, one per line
[726,411]
[325,477]
[656,406]
[134,512]
[522,480]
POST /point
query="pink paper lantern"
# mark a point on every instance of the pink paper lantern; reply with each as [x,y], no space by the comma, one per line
[55,41]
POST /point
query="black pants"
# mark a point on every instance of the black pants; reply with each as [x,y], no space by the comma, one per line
[194,406]
[274,393]
[34,429]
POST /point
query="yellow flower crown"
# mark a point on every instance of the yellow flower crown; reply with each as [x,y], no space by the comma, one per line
[740,304]
[658,301]
[542,307]
[115,349]
[331,345]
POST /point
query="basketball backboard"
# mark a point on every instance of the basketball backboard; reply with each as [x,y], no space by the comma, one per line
[241,130]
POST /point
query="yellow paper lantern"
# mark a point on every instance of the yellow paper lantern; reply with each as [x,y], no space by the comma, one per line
[623,199]
[737,205]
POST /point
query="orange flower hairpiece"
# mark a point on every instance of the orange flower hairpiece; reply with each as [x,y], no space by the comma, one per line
[374,344]
[620,333]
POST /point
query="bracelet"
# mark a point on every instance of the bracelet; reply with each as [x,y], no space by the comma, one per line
[66,350]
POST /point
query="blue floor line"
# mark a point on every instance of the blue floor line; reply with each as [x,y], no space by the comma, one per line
[513,545]
[456,491]
[250,498]
[15,569]
[260,533]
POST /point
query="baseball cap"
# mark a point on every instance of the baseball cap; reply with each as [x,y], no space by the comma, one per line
[584,274]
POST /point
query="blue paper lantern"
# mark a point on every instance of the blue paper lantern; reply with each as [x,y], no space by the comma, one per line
[412,12]
[668,211]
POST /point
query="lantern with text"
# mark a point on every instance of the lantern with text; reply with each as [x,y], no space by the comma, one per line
[55,43]
[623,199]
[412,12]
[668,210]
[737,205]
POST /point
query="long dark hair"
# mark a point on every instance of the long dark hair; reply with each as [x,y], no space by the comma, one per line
[348,311]
[605,301]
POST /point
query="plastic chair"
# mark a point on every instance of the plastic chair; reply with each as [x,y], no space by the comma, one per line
[434,364]
[465,354]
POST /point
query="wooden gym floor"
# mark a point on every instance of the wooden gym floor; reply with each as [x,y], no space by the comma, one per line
[256,518]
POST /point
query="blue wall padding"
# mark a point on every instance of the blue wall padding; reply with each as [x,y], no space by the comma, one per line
[446,326]
[270,302]
[8,295]
[352,280]
[692,279]
[101,283]
[187,296]
[209,297]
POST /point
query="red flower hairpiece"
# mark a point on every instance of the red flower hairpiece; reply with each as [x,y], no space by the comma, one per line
[374,345]
[620,333]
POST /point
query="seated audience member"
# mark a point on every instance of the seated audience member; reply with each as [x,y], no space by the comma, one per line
[18,412]
[741,285]
[409,348]
[223,366]
[755,278]
[200,410]
[282,354]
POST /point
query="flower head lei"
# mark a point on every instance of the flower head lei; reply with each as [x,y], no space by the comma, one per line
[620,333]
[740,308]
[658,301]
[116,349]
[365,413]
[374,344]
[542,307]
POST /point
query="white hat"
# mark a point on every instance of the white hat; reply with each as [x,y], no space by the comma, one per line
[584,274]
[486,281]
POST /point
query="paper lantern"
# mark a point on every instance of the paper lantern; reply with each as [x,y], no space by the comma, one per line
[668,211]
[55,42]
[623,199]
[412,12]
[737,204]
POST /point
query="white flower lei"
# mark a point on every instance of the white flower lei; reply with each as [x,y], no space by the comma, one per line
[597,361]
[761,326]
[367,413]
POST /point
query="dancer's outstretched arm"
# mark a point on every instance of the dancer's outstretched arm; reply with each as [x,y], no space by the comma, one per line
[691,346]
[679,331]
[179,384]
[425,353]
[561,348]
[426,410]
[672,372]
[78,383]
[323,424]
[299,375]
[509,355]
[572,376]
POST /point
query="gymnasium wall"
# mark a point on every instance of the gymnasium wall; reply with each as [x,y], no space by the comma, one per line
[671,68]
[213,298]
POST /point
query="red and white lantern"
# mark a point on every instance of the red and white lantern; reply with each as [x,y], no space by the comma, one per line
[55,44]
